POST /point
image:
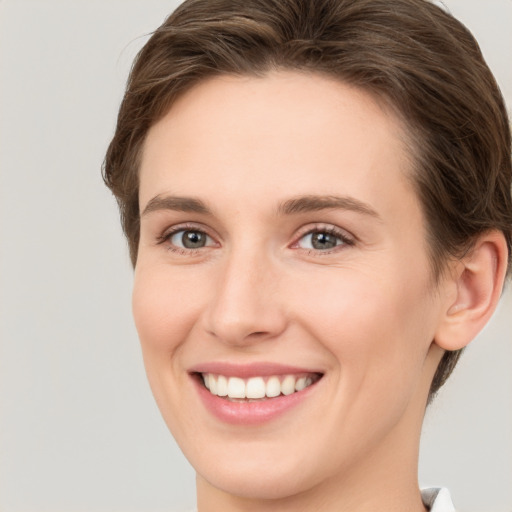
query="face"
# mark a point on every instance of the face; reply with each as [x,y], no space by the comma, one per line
[283,262]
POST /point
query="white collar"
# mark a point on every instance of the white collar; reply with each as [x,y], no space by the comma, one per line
[437,499]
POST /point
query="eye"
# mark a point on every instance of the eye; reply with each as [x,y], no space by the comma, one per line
[323,240]
[189,239]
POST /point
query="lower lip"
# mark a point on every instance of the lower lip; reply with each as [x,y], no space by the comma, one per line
[250,413]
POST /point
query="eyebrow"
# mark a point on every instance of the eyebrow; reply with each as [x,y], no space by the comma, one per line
[180,204]
[301,204]
[311,203]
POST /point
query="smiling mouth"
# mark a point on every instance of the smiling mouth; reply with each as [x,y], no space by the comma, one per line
[237,389]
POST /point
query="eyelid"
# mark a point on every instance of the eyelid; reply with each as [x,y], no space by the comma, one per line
[168,233]
[347,238]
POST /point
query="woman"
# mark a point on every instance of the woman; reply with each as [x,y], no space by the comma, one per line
[316,196]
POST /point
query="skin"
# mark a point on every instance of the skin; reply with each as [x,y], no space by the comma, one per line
[364,313]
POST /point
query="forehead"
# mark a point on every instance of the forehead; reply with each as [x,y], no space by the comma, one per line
[289,132]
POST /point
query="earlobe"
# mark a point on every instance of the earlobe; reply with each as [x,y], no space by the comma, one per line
[478,282]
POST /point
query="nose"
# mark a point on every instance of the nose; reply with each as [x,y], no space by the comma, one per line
[246,304]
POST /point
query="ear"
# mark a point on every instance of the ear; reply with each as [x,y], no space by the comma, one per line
[475,288]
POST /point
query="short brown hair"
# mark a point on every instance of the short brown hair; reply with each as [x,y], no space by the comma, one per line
[409,53]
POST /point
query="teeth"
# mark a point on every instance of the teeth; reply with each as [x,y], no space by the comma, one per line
[273,387]
[303,382]
[236,388]
[255,387]
[300,384]
[213,385]
[222,385]
[288,385]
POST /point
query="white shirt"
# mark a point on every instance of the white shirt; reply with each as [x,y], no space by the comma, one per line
[437,500]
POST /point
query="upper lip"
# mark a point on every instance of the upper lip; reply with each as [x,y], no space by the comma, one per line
[257,369]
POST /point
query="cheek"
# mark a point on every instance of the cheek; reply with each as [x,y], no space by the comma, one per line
[165,307]
[165,310]
[378,330]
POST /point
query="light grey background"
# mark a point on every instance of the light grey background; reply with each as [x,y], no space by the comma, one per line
[78,427]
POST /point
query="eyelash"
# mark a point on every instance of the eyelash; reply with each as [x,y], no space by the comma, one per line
[342,236]
[166,237]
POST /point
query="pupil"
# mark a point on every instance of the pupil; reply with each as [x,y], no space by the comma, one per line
[193,239]
[323,241]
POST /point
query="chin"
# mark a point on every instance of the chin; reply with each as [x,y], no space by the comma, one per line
[264,482]
[259,470]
